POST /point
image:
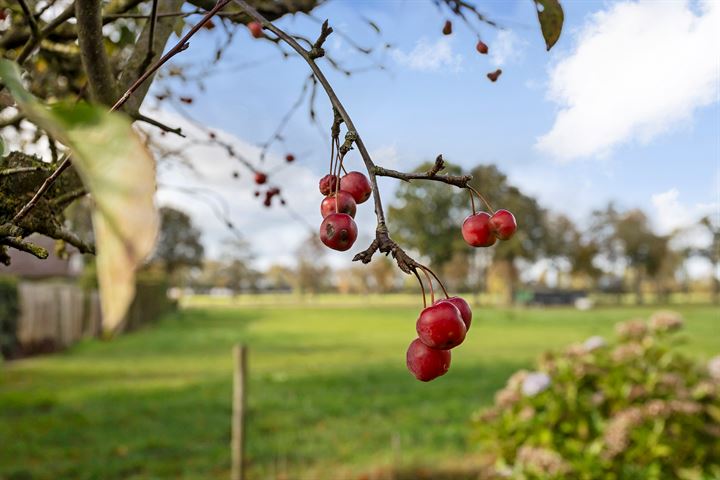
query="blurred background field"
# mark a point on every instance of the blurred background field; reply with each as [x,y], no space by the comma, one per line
[329,393]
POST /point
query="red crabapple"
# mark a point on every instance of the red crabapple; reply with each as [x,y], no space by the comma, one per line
[260,178]
[447,28]
[328,184]
[357,185]
[338,231]
[255,29]
[289,158]
[440,326]
[463,307]
[481,47]
[426,363]
[345,204]
[503,224]
[476,230]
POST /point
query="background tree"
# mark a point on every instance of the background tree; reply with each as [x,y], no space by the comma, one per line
[179,244]
[236,270]
[426,217]
[711,253]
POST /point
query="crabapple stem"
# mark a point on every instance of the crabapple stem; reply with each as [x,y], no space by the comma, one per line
[438,280]
[432,289]
[422,288]
[472,201]
[481,197]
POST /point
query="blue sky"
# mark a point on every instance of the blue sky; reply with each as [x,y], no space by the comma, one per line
[624,108]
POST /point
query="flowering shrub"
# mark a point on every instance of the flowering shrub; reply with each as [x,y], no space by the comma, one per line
[635,409]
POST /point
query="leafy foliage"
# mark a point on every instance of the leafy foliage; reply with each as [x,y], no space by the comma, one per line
[635,409]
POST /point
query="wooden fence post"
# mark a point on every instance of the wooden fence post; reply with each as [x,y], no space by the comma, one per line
[238,418]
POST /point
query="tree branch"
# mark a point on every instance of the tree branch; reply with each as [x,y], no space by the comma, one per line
[382,241]
[334,100]
[92,51]
[460,181]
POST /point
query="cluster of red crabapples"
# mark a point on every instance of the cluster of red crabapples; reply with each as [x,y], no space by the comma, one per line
[440,327]
[481,229]
[342,195]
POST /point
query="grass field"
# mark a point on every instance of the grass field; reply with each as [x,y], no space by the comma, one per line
[329,394]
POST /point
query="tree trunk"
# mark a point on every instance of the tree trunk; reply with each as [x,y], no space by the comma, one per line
[639,300]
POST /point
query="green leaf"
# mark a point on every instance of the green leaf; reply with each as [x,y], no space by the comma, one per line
[119,173]
[551,16]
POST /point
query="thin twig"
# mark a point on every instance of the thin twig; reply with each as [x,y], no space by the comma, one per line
[30,18]
[155,123]
[151,34]
[182,45]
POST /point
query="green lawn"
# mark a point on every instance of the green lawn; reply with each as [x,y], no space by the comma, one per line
[329,394]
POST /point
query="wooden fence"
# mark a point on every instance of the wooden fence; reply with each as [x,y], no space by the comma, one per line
[56,315]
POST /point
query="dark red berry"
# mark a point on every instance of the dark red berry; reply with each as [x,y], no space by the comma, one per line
[357,185]
[328,184]
[209,25]
[481,47]
[493,76]
[440,326]
[260,178]
[426,363]
[256,29]
[187,100]
[476,230]
[345,204]
[447,28]
[257,194]
[463,307]
[503,224]
[338,231]
[289,158]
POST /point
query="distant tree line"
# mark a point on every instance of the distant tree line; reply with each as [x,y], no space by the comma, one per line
[615,251]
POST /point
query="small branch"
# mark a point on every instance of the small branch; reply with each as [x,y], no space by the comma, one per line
[151,35]
[16,170]
[387,245]
[460,181]
[317,51]
[64,163]
[19,244]
[30,18]
[67,198]
[181,46]
[155,123]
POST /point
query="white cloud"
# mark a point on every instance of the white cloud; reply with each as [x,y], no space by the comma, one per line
[637,70]
[430,57]
[506,48]
[671,214]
